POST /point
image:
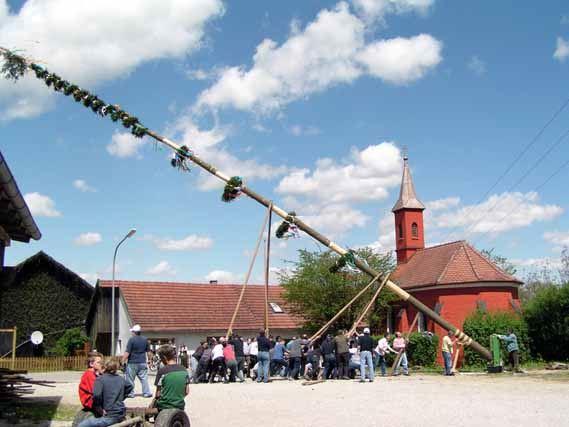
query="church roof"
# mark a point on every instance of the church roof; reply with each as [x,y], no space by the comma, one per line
[407,196]
[447,264]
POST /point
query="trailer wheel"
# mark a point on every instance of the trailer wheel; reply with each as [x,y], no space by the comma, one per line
[172,418]
[81,416]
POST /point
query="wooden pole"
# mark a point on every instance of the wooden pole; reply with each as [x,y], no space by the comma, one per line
[333,319]
[401,293]
[400,353]
[14,337]
[455,359]
[251,264]
[267,265]
[369,305]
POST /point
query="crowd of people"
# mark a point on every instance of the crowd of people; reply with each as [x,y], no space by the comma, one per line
[339,356]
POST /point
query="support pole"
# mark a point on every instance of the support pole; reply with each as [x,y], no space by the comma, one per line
[369,305]
[333,319]
[247,277]
[267,265]
[14,337]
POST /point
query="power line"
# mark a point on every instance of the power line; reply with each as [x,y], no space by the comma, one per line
[513,163]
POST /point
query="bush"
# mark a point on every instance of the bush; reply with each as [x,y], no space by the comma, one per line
[547,317]
[71,340]
[480,325]
[422,349]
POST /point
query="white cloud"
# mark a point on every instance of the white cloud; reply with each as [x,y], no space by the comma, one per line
[559,239]
[476,65]
[499,213]
[334,219]
[89,277]
[124,145]
[189,243]
[299,130]
[372,10]
[330,50]
[93,42]
[41,205]
[163,268]
[386,234]
[562,50]
[442,204]
[537,262]
[221,276]
[401,60]
[366,175]
[88,239]
[199,74]
[82,186]
[208,145]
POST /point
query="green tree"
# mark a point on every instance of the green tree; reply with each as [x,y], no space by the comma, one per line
[480,325]
[500,261]
[316,294]
[547,317]
[73,339]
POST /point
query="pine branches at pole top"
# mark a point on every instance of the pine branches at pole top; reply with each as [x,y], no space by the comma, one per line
[15,66]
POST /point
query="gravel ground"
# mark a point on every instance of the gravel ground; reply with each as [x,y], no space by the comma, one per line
[537,399]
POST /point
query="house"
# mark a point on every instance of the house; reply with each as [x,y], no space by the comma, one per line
[453,279]
[183,313]
[42,294]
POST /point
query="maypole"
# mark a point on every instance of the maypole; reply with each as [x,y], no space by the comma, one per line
[15,66]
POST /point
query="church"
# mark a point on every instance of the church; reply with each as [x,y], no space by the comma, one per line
[453,279]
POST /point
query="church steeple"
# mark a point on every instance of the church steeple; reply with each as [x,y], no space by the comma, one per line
[407,196]
[408,210]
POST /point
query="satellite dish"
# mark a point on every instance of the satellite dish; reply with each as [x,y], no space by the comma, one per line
[36,338]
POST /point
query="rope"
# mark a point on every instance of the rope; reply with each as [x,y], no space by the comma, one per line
[368,306]
[333,319]
[251,264]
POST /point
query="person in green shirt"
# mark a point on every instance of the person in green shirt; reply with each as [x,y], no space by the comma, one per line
[172,381]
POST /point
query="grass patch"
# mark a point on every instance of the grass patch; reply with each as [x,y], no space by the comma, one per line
[42,411]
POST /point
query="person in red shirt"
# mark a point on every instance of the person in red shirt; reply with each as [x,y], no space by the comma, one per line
[94,367]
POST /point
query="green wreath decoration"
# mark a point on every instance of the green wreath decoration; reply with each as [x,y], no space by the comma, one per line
[232,189]
[348,259]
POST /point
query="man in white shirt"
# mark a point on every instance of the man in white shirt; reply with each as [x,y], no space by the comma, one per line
[218,361]
[382,349]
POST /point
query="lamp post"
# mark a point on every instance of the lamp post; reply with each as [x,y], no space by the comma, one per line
[113,347]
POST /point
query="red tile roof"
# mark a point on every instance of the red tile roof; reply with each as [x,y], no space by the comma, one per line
[170,306]
[450,263]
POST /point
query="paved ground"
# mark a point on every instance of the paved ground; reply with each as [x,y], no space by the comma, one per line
[537,399]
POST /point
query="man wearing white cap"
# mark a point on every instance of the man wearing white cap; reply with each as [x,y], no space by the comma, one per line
[366,347]
[135,358]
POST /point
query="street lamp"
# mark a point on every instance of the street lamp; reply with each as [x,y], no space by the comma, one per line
[113,347]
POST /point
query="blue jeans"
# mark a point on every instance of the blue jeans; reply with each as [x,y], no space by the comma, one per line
[329,365]
[403,363]
[263,369]
[100,422]
[447,357]
[366,360]
[294,367]
[380,360]
[139,370]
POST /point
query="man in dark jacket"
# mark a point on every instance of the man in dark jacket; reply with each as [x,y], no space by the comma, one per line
[237,343]
[109,393]
[342,355]
[366,347]
[327,350]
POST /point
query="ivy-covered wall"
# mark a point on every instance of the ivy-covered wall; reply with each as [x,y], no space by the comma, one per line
[41,302]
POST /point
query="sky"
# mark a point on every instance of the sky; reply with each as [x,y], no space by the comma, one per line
[312,103]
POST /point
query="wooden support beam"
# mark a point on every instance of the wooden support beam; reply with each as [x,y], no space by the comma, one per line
[369,305]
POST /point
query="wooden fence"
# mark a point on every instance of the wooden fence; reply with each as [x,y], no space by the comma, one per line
[47,364]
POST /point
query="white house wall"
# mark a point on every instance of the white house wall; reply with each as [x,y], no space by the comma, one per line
[124,324]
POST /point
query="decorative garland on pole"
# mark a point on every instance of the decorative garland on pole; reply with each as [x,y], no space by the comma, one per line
[15,66]
[288,229]
[346,260]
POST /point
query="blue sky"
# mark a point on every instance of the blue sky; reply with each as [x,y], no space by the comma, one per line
[311,102]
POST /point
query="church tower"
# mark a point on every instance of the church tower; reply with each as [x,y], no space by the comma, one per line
[408,211]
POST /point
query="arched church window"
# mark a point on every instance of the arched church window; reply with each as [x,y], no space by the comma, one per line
[415,230]
[400,231]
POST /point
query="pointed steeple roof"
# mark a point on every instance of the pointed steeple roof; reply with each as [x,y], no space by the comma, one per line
[407,196]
